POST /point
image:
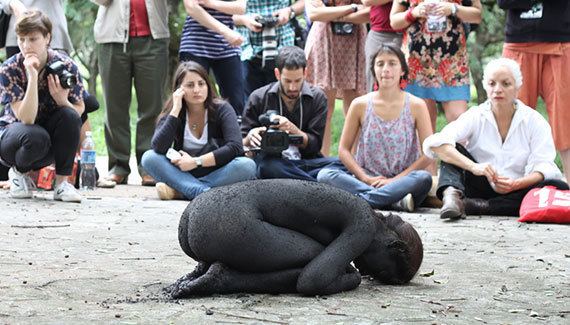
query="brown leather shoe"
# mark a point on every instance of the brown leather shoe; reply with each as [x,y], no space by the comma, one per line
[147,180]
[453,206]
[118,179]
[476,206]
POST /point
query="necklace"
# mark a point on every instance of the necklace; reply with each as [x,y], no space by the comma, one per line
[194,126]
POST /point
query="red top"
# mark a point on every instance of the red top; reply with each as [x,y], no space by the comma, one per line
[380,18]
[138,24]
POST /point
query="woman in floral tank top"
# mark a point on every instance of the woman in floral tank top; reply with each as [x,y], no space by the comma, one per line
[387,170]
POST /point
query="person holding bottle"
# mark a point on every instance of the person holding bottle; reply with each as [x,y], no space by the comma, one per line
[204,133]
[40,122]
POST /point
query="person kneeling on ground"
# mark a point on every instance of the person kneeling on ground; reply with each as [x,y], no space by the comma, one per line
[206,139]
[288,244]
[41,121]
[495,153]
[301,111]
[387,168]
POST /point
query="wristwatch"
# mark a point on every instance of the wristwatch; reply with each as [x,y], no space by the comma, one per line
[292,14]
[354,7]
[198,161]
[454,9]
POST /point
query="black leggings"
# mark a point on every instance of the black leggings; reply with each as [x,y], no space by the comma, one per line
[478,187]
[31,147]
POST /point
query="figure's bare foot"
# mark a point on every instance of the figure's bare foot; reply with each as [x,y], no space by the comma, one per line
[199,270]
[209,283]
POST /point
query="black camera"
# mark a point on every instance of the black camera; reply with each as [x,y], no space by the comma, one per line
[340,28]
[66,78]
[274,141]
[267,21]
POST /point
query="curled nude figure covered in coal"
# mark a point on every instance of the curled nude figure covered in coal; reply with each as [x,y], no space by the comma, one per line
[291,236]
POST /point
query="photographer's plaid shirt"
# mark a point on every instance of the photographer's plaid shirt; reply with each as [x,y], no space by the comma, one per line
[252,41]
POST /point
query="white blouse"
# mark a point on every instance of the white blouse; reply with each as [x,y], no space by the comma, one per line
[191,143]
[528,146]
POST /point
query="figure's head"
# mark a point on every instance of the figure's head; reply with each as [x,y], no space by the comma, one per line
[290,70]
[502,79]
[33,30]
[388,65]
[395,254]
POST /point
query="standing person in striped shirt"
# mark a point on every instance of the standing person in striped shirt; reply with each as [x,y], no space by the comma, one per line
[208,38]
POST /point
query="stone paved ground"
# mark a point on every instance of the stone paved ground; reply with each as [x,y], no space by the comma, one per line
[105,261]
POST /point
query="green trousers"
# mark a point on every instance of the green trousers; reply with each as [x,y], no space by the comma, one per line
[143,60]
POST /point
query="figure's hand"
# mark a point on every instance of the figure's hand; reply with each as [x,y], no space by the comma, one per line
[383,182]
[286,125]
[32,65]
[282,15]
[57,92]
[251,24]
[254,136]
[233,38]
[485,170]
[504,185]
[177,98]
[186,163]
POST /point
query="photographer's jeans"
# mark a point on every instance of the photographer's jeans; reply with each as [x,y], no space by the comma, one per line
[160,167]
[418,183]
[305,169]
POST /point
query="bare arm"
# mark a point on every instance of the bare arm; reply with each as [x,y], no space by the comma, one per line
[236,7]
[26,110]
[370,3]
[362,16]
[17,7]
[105,3]
[196,11]
[350,131]
[317,11]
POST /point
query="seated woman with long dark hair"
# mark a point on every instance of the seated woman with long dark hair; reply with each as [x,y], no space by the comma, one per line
[493,154]
[291,236]
[389,126]
[205,135]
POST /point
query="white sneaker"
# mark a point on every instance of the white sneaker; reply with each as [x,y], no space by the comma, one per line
[406,204]
[21,185]
[67,193]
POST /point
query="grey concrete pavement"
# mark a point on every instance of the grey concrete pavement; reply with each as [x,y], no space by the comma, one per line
[105,261]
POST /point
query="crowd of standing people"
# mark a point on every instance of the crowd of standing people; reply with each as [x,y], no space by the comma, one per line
[273,115]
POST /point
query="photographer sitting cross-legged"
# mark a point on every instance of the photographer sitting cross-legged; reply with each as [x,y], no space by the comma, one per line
[302,110]
[42,94]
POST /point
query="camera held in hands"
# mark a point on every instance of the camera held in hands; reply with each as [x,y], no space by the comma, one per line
[340,28]
[267,21]
[274,141]
[66,78]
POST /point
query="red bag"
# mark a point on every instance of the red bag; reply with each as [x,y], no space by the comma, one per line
[546,204]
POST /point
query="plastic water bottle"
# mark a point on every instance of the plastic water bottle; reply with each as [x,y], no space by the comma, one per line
[88,156]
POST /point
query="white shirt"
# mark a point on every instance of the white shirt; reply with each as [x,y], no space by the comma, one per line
[191,143]
[528,146]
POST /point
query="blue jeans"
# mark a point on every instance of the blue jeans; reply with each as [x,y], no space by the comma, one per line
[229,75]
[160,167]
[418,183]
[305,169]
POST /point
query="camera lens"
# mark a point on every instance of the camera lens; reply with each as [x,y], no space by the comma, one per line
[347,28]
